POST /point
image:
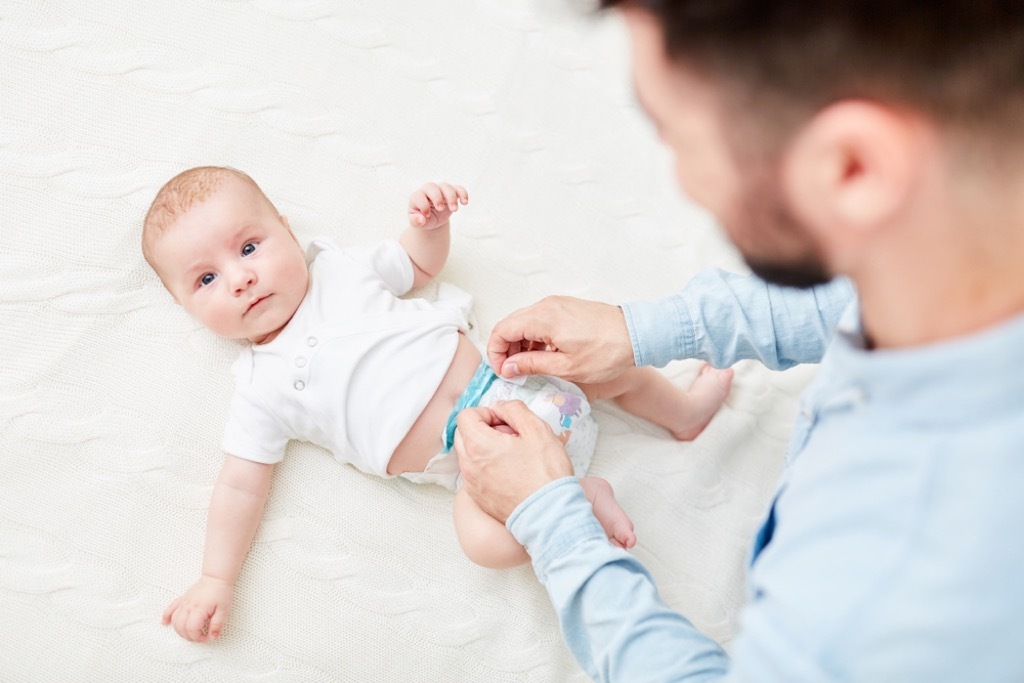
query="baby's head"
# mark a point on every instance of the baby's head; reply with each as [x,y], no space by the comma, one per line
[225,254]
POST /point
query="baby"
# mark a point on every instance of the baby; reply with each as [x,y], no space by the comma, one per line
[337,358]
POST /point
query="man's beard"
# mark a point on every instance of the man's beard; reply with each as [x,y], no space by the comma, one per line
[806,274]
[770,222]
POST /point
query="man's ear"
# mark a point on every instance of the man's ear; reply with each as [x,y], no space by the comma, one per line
[853,168]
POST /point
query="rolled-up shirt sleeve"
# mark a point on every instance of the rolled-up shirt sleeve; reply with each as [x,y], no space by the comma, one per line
[722,318]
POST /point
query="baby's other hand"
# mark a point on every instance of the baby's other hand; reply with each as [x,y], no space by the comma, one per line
[431,205]
[200,613]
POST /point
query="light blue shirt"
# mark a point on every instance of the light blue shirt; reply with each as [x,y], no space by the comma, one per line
[893,548]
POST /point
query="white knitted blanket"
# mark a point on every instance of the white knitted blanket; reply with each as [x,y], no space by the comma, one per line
[112,400]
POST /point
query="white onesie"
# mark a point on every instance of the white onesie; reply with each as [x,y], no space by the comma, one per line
[353,368]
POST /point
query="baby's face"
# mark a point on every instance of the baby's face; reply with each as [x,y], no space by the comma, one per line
[233,263]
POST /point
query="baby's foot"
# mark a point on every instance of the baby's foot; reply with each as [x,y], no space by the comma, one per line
[613,518]
[706,395]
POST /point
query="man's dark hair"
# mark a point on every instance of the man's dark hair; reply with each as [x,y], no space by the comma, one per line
[960,62]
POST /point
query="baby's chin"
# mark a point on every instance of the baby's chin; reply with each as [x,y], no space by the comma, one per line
[245,336]
[265,336]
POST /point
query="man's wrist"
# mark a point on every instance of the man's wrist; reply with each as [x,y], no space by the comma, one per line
[552,519]
[655,331]
[534,497]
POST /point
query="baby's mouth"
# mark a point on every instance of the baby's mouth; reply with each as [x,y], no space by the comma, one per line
[255,302]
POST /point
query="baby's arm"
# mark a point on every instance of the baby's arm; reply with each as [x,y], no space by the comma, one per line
[428,237]
[235,511]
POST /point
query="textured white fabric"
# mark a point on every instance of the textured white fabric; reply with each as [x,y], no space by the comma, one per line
[352,369]
[112,401]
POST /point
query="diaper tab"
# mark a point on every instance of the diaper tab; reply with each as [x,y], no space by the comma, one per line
[482,380]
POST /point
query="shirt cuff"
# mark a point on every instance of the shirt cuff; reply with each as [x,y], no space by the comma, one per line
[660,331]
[552,520]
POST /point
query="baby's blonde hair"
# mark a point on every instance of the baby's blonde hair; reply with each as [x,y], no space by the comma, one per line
[181,193]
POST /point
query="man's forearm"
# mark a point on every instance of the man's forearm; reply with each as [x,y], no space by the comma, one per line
[613,620]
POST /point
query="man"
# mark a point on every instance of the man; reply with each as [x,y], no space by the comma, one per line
[876,141]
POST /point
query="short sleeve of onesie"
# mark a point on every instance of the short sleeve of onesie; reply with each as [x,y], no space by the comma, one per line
[252,431]
[390,261]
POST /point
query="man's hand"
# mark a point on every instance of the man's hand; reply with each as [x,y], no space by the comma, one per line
[575,339]
[200,613]
[505,454]
[431,205]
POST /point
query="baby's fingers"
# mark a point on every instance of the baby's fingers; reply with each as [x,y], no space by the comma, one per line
[435,195]
[451,196]
[220,615]
[195,626]
[169,612]
[454,195]
[179,620]
[419,202]
[419,208]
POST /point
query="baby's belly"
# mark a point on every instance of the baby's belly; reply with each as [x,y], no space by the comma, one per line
[424,438]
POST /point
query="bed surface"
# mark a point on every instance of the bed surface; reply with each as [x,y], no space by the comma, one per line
[112,400]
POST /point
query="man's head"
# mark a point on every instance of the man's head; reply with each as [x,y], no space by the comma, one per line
[804,126]
[224,253]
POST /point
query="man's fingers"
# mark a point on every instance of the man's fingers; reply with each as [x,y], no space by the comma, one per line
[503,417]
[517,416]
[514,352]
[480,426]
[541,362]
[515,333]
[475,425]
[475,419]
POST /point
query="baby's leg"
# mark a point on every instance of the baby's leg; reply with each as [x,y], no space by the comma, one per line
[484,539]
[613,518]
[490,544]
[647,393]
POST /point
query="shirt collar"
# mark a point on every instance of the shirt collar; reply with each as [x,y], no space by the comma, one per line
[964,377]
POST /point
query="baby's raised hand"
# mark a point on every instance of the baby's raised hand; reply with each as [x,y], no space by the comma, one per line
[200,613]
[431,205]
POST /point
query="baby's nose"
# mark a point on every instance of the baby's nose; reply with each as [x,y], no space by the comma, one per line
[243,279]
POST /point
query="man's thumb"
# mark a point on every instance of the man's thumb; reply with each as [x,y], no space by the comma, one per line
[532,363]
[516,415]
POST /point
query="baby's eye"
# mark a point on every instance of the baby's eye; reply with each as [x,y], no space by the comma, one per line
[207,279]
[248,248]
